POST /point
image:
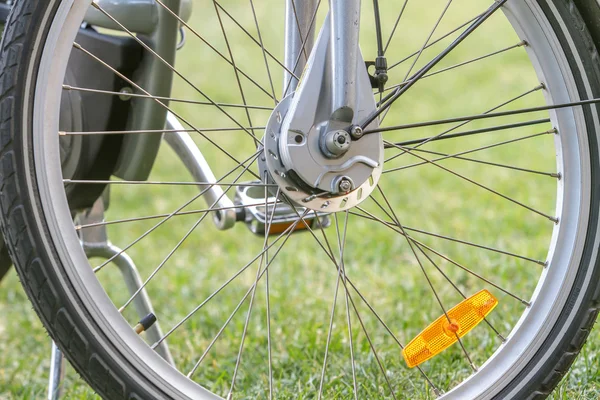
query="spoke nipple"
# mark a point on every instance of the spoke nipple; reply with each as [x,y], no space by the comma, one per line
[95,4]
[557,175]
[553,131]
[62,133]
[556,220]
[542,85]
[145,323]
[524,43]
[77,45]
[67,87]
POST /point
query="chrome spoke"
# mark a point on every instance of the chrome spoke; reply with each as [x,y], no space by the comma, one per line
[235,21]
[447,278]
[395,27]
[342,271]
[429,282]
[185,121]
[264,51]
[285,235]
[329,332]
[235,70]
[463,123]
[418,75]
[268,292]
[434,42]
[168,99]
[329,250]
[171,67]
[253,296]
[467,133]
[457,156]
[329,254]
[427,233]
[452,67]
[156,216]
[251,159]
[393,227]
[435,26]
[166,183]
[185,24]
[143,132]
[177,246]
[484,187]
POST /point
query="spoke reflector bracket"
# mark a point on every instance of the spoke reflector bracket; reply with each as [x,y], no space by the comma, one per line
[447,329]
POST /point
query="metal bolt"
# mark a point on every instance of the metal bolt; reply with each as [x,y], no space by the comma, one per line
[345,185]
[356,132]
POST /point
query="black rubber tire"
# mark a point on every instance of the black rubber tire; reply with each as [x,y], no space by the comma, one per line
[90,350]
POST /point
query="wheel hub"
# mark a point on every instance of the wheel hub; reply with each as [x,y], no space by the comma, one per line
[324,171]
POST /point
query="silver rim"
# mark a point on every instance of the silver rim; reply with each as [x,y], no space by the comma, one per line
[527,335]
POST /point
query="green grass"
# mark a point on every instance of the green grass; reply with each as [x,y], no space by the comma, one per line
[380,262]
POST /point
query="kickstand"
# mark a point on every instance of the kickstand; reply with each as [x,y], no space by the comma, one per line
[96,244]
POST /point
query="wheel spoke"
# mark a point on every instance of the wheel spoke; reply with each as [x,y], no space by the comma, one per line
[457,156]
[447,278]
[156,216]
[166,183]
[185,121]
[285,235]
[235,21]
[329,253]
[484,187]
[435,26]
[172,68]
[185,24]
[167,99]
[463,123]
[252,297]
[462,64]
[342,271]
[435,42]
[418,75]
[251,159]
[497,128]
[392,226]
[429,282]
[262,47]
[179,244]
[395,27]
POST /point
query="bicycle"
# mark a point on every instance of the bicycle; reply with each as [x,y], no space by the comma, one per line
[321,152]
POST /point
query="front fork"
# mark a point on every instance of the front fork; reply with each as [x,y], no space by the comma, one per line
[344,50]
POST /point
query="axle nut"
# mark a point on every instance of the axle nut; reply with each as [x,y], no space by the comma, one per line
[338,142]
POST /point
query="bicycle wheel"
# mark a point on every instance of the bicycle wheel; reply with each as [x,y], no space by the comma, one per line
[508,204]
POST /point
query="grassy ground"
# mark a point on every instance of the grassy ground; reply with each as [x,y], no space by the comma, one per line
[379,261]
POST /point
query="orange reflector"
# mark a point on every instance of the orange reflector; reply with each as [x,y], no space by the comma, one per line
[442,333]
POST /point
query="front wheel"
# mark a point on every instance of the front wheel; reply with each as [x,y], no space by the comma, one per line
[321,309]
